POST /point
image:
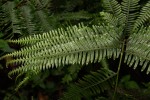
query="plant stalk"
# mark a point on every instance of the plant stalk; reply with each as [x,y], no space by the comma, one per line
[118,70]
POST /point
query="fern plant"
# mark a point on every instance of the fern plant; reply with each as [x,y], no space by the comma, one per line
[124,34]
[92,84]
[32,17]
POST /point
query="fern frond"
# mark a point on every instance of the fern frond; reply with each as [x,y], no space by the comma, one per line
[129,9]
[2,19]
[12,17]
[59,36]
[91,84]
[27,77]
[113,21]
[44,21]
[25,80]
[23,17]
[114,8]
[27,19]
[109,18]
[82,45]
[53,35]
[137,51]
[144,16]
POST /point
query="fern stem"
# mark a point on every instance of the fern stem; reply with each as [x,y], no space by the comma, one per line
[119,66]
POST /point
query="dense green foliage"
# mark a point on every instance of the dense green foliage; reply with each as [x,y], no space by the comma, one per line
[64,49]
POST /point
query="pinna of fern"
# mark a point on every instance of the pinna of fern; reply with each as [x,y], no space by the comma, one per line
[94,83]
[83,44]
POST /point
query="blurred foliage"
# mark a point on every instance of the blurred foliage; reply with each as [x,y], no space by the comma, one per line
[127,83]
[4,81]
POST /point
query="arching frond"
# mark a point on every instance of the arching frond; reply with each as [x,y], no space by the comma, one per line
[91,84]
[113,21]
[27,77]
[138,50]
[44,21]
[114,8]
[27,20]
[130,10]
[12,18]
[25,80]
[109,18]
[59,36]
[144,15]
[81,45]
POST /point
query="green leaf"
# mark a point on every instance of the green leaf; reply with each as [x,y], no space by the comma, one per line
[131,85]
[125,79]
[128,83]
[4,46]
[67,78]
[1,34]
